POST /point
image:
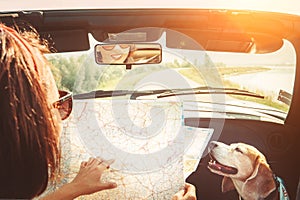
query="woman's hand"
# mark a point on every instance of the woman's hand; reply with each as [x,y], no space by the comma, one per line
[187,193]
[87,181]
[88,178]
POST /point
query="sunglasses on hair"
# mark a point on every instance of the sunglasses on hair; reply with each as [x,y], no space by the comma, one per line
[64,104]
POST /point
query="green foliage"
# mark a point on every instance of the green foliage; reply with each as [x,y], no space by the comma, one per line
[87,78]
[81,74]
[65,70]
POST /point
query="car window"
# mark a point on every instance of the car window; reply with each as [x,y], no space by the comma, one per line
[253,86]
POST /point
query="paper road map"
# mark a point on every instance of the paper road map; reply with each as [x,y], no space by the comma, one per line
[152,149]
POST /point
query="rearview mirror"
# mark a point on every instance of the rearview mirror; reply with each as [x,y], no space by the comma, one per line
[128,53]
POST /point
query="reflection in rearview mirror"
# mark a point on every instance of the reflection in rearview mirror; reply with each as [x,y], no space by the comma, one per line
[128,53]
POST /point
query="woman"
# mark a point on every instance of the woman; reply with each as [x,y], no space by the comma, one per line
[30,123]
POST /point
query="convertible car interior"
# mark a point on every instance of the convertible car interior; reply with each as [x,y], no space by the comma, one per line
[275,132]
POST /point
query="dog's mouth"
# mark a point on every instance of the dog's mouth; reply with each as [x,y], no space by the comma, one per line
[216,166]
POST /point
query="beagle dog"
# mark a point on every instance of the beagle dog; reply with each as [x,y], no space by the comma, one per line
[245,169]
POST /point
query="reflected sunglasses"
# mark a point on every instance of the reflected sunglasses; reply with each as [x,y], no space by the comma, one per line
[64,104]
[109,47]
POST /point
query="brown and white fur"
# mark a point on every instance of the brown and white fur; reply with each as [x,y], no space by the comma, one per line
[244,168]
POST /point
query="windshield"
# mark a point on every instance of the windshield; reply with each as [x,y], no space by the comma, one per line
[249,85]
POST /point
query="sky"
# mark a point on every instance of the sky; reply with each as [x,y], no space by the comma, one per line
[290,6]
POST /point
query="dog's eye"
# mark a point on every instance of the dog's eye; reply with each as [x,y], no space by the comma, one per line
[238,150]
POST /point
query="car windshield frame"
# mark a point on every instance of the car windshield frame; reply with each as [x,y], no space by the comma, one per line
[45,19]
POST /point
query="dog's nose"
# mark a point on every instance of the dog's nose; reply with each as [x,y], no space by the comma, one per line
[212,145]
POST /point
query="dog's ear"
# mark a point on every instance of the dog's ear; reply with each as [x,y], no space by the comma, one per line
[227,184]
[261,180]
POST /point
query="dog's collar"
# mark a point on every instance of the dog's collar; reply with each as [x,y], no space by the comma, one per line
[283,195]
